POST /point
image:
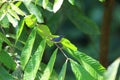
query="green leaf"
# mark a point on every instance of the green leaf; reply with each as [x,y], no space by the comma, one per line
[33,65]
[102,0]
[4,22]
[111,72]
[7,60]
[72,2]
[81,22]
[34,10]
[30,20]
[4,75]
[67,44]
[13,21]
[48,70]
[18,3]
[53,76]
[57,5]
[16,9]
[94,68]
[76,3]
[26,52]
[45,3]
[1,44]
[20,28]
[49,6]
[3,38]
[14,14]
[79,72]
[2,15]
[27,2]
[63,72]
[3,10]
[44,32]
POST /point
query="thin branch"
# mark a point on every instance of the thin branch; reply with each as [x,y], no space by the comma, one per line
[2,30]
[62,51]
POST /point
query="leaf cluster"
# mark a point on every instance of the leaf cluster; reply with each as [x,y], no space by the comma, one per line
[27,63]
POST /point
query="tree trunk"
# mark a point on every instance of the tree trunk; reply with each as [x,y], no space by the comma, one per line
[105,32]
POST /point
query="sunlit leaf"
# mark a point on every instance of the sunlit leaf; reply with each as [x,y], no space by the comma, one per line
[32,8]
[30,20]
[4,7]
[19,30]
[72,2]
[93,67]
[79,72]
[53,76]
[3,10]
[57,5]
[18,3]
[14,14]
[7,60]
[76,3]
[102,0]
[111,72]
[2,15]
[27,2]
[49,6]
[33,65]
[17,10]
[63,72]
[44,32]
[12,20]
[26,52]
[4,22]
[66,43]
[45,3]
[4,75]
[3,38]
[49,68]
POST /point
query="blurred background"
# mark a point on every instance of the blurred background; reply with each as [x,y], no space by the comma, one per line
[87,43]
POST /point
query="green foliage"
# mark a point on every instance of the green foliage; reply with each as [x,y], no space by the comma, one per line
[102,0]
[3,38]
[33,64]
[57,5]
[80,21]
[63,71]
[92,66]
[26,52]
[79,71]
[66,43]
[4,22]
[48,70]
[19,30]
[4,75]
[35,24]
[111,72]
[7,60]
[30,20]
[34,10]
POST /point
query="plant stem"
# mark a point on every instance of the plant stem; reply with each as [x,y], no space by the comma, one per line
[62,51]
[105,32]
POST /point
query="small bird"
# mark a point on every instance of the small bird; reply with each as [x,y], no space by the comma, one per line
[57,39]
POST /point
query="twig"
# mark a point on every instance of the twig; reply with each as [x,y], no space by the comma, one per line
[62,51]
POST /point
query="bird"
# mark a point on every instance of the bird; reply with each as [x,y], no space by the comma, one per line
[57,39]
